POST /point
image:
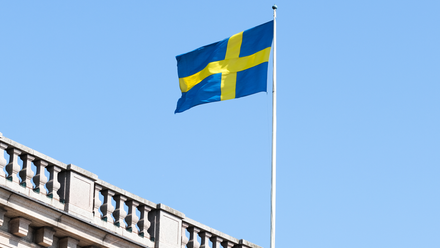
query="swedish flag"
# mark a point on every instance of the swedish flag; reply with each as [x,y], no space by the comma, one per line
[228,69]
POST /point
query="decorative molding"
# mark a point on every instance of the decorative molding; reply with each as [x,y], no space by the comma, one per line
[19,226]
[44,236]
[68,242]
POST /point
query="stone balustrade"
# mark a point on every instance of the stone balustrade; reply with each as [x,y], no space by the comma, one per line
[20,177]
[79,196]
[134,221]
[210,238]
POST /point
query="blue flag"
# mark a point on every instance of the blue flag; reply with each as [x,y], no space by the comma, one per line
[228,69]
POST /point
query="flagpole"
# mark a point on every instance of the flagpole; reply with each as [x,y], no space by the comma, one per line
[274,133]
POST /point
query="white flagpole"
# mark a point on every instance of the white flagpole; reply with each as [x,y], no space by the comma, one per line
[274,133]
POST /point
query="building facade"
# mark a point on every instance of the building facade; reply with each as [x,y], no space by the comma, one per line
[73,208]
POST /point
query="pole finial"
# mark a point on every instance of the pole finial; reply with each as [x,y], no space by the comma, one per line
[274,6]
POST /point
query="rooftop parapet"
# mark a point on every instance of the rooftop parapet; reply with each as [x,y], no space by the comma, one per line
[77,192]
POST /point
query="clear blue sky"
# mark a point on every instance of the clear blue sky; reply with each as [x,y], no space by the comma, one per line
[94,83]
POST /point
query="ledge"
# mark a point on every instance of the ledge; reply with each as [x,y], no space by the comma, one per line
[125,193]
[170,210]
[83,172]
[247,243]
[32,152]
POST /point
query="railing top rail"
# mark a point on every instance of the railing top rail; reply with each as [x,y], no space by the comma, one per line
[79,170]
[247,243]
[170,210]
[52,161]
[224,236]
[32,152]
[125,193]
[206,228]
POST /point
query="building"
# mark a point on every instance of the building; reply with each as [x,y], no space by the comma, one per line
[73,208]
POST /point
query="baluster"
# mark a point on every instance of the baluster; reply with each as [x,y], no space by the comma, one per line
[107,208]
[132,218]
[119,212]
[13,167]
[205,239]
[53,185]
[227,244]
[26,173]
[242,244]
[193,242]
[216,242]
[3,146]
[144,223]
[97,202]
[184,237]
[40,178]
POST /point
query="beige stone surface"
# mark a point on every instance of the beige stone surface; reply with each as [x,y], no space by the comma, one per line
[19,226]
[44,236]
